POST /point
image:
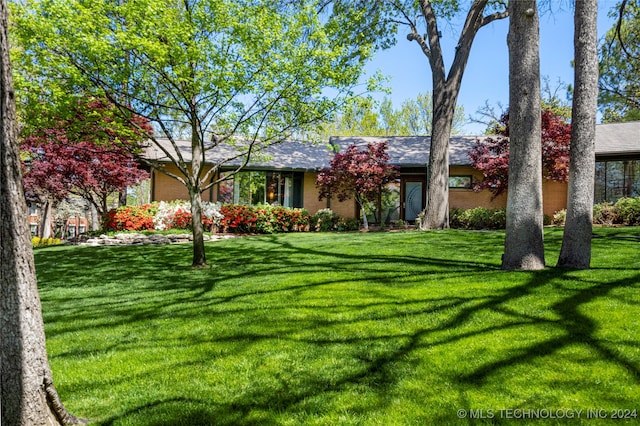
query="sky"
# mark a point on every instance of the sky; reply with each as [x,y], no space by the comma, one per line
[486,78]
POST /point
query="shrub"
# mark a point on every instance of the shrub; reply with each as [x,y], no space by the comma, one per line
[238,219]
[131,218]
[559,217]
[177,215]
[45,242]
[627,211]
[478,218]
[348,224]
[604,214]
[325,220]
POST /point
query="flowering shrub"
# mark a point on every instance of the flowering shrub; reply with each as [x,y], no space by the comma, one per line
[131,218]
[177,215]
[45,242]
[264,219]
[325,220]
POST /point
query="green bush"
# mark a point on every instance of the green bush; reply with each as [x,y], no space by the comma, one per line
[559,217]
[627,211]
[348,224]
[478,218]
[604,214]
[324,220]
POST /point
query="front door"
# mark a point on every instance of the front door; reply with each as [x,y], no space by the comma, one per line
[412,199]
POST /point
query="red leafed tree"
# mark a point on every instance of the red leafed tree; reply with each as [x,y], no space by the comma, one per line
[90,154]
[491,155]
[357,173]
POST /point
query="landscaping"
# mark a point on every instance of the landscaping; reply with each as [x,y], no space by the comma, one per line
[342,328]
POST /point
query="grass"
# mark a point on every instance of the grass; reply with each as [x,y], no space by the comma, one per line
[377,328]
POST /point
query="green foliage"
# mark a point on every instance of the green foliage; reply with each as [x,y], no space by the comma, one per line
[366,117]
[325,220]
[559,218]
[348,224]
[619,96]
[212,70]
[399,328]
[604,214]
[628,211]
[477,218]
[625,211]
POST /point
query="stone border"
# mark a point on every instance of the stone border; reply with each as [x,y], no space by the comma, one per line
[141,239]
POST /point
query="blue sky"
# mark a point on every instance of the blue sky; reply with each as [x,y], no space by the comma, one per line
[487,75]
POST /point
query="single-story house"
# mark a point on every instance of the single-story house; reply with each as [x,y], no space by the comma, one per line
[285,174]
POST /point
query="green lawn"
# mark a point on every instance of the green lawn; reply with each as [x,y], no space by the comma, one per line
[378,328]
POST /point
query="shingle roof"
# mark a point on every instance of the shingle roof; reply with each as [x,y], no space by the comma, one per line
[413,150]
[288,155]
[618,138]
[408,151]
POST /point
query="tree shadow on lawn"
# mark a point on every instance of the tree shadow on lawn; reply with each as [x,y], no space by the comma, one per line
[376,352]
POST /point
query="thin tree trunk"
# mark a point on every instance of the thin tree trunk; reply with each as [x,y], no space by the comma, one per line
[45,220]
[199,256]
[576,240]
[27,394]
[524,240]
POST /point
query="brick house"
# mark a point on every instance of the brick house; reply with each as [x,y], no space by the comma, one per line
[285,174]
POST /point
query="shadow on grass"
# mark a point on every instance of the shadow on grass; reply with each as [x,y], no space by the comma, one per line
[271,291]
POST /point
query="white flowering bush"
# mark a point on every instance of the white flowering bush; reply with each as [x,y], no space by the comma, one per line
[177,214]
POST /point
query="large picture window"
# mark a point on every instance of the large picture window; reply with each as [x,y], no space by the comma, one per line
[617,179]
[260,187]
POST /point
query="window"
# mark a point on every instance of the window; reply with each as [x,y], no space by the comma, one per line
[252,188]
[460,182]
[616,179]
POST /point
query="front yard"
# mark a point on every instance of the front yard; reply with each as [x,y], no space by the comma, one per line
[321,328]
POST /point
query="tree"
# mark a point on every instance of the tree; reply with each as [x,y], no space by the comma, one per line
[233,77]
[619,83]
[27,393]
[446,87]
[415,117]
[357,173]
[365,117]
[524,243]
[491,155]
[90,154]
[576,240]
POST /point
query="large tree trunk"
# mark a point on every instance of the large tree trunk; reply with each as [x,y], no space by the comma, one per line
[27,394]
[437,210]
[576,241]
[446,88]
[524,241]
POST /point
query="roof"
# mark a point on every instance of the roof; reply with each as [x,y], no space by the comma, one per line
[413,151]
[404,151]
[288,155]
[618,138]
[612,139]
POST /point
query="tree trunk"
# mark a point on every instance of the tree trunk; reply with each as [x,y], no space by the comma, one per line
[437,210]
[27,394]
[524,241]
[95,220]
[199,256]
[576,241]
[45,221]
[446,88]
[365,222]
